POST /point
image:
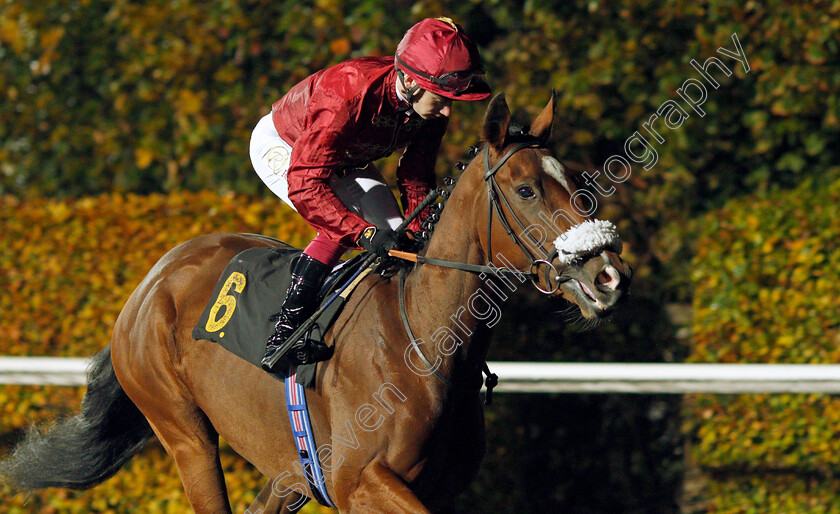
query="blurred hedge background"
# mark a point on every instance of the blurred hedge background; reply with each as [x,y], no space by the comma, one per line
[130,121]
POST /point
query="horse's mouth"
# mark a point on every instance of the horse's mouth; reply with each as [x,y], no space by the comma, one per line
[587,291]
[588,302]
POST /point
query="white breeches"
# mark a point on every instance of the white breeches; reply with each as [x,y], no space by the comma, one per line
[364,190]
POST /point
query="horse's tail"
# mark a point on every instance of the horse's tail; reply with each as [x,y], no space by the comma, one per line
[82,451]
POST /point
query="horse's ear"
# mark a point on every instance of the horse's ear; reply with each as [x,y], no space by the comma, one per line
[496,122]
[541,127]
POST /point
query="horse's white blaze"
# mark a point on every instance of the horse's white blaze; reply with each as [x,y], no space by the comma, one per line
[553,167]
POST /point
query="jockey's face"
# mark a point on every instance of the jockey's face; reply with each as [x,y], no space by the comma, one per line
[429,105]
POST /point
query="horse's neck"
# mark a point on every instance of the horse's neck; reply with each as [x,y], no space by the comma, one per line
[440,301]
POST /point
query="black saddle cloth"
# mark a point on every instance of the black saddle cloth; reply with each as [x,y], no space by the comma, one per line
[251,288]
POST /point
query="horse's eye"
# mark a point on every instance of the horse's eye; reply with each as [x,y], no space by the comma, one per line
[526,193]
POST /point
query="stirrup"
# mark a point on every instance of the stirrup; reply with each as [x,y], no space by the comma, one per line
[308,352]
[272,348]
[311,351]
[270,351]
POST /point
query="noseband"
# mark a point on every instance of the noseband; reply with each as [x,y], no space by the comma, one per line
[495,198]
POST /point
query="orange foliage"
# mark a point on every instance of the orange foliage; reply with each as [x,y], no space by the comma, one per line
[66,269]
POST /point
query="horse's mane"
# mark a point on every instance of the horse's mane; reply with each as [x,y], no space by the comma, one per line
[516,133]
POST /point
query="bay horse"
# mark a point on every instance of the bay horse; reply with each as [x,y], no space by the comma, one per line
[395,434]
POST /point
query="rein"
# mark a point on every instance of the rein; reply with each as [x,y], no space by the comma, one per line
[494,193]
[495,197]
[411,337]
[491,380]
[463,266]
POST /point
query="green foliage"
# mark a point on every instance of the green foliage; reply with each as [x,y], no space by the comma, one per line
[163,95]
[149,483]
[65,287]
[766,274]
[765,271]
[759,494]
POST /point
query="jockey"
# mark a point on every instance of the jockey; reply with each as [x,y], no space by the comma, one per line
[315,150]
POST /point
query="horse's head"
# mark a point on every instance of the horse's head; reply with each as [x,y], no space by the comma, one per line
[535,224]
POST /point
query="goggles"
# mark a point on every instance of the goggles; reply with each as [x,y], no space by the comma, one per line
[453,82]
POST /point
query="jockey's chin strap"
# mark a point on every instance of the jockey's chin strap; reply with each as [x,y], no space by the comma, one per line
[494,194]
[410,94]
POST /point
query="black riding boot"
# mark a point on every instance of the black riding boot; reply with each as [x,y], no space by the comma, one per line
[307,277]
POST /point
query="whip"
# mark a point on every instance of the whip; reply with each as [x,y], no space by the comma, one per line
[365,265]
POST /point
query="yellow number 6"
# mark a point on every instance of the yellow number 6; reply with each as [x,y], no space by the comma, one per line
[236,281]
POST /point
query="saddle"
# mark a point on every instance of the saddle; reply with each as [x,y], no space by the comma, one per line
[249,290]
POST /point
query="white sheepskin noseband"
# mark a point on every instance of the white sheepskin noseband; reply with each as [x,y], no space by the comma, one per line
[587,238]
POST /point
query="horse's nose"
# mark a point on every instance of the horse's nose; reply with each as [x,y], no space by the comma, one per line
[614,276]
[608,279]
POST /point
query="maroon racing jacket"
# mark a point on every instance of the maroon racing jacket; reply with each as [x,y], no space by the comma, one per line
[344,117]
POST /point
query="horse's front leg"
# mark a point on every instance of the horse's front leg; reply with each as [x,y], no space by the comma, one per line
[382,490]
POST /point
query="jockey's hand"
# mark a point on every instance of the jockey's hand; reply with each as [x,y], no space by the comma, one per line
[378,240]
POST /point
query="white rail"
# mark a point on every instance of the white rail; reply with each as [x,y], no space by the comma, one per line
[534,377]
[548,377]
[64,371]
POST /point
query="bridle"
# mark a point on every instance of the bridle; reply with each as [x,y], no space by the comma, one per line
[495,198]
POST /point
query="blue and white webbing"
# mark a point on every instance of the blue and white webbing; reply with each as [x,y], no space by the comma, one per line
[304,440]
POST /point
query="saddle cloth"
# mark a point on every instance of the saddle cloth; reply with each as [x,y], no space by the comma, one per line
[251,288]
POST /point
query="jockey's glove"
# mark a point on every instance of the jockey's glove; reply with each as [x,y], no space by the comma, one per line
[378,240]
